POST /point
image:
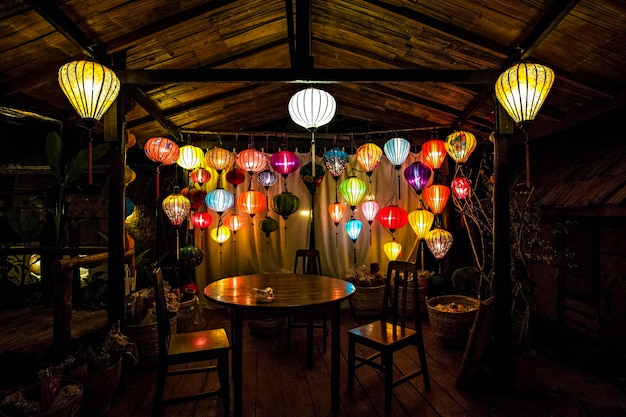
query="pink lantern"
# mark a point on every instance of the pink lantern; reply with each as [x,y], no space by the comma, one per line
[284,162]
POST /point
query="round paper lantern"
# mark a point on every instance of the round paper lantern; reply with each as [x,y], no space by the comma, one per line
[353,190]
[190,256]
[421,221]
[393,217]
[397,150]
[460,145]
[176,206]
[90,87]
[190,157]
[266,178]
[461,187]
[200,176]
[311,182]
[285,204]
[220,234]
[234,222]
[284,162]
[336,211]
[194,195]
[436,197]
[335,161]
[251,202]
[129,175]
[392,249]
[417,175]
[269,225]
[251,160]
[129,207]
[370,209]
[131,139]
[312,108]
[219,159]
[219,200]
[235,177]
[434,153]
[369,155]
[201,219]
[522,89]
[439,242]
[162,150]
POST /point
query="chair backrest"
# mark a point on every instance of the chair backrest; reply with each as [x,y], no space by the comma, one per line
[311,263]
[163,317]
[394,307]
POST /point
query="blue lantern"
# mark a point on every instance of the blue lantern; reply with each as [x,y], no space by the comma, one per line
[219,200]
[353,229]
[397,150]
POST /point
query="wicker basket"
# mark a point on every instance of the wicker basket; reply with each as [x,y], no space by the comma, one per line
[69,408]
[367,301]
[452,329]
[424,292]
[267,327]
[146,336]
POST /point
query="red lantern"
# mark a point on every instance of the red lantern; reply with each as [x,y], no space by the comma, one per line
[251,202]
[436,197]
[434,153]
[195,196]
[393,217]
[235,177]
[461,187]
[201,220]
[200,176]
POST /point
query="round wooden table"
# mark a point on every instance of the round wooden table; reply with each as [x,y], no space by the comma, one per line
[294,294]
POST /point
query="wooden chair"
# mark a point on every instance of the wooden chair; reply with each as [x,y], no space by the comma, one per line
[310,263]
[188,348]
[390,334]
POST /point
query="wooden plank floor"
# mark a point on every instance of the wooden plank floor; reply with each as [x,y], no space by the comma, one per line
[278,384]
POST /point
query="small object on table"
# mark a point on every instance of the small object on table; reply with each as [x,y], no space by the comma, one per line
[264,295]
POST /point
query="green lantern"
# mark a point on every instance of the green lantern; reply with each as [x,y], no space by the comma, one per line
[190,256]
[269,225]
[353,190]
[285,204]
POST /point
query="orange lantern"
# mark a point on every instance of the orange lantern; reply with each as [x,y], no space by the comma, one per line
[219,159]
[200,176]
[436,197]
[369,155]
[251,160]
[234,222]
[162,150]
[434,153]
[251,202]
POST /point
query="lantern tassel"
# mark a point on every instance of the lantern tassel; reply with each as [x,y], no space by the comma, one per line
[89,160]
[527,146]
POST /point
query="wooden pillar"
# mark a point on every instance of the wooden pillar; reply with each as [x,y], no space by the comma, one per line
[501,248]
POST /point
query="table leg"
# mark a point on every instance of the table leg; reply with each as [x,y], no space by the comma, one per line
[309,342]
[335,364]
[237,362]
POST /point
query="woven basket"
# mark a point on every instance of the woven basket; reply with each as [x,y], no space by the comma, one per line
[70,408]
[367,301]
[424,292]
[267,327]
[146,337]
[186,314]
[452,329]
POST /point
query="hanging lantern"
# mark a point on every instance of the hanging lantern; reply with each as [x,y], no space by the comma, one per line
[306,174]
[200,176]
[370,209]
[421,221]
[436,197]
[335,161]
[129,207]
[201,219]
[251,160]
[269,225]
[195,196]
[219,159]
[353,190]
[417,175]
[434,153]
[90,87]
[369,155]
[176,206]
[220,234]
[285,204]
[439,242]
[285,162]
[251,202]
[461,187]
[131,139]
[129,175]
[397,150]
[393,217]
[266,178]
[162,150]
[190,256]
[234,222]
[190,157]
[235,177]
[336,211]
[312,108]
[392,249]
[219,200]
[460,145]
[353,229]
[522,89]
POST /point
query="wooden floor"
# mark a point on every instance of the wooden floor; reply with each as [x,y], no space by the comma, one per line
[278,384]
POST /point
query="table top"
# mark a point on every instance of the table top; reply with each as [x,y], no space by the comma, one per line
[290,291]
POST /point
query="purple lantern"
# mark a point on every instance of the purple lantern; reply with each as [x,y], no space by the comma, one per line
[417,175]
[284,162]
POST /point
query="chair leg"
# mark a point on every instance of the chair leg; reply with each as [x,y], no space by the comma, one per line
[351,360]
[387,362]
[289,323]
[224,377]
[325,333]
[158,393]
[422,355]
